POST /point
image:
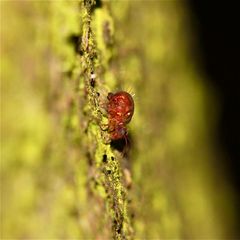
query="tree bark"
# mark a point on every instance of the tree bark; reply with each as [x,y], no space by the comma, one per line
[62,178]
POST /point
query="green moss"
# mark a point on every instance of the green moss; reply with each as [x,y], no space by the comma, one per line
[97,33]
[60,176]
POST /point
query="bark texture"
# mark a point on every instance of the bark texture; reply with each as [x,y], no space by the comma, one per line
[61,177]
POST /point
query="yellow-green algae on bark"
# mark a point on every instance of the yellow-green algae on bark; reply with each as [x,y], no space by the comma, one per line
[106,180]
[88,70]
[59,185]
[59,176]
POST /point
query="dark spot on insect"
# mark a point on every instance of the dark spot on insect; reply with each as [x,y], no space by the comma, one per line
[98,94]
[109,171]
[112,158]
[115,221]
[104,158]
[75,40]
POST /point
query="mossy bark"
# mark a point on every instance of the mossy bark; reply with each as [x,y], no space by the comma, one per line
[61,176]
[94,52]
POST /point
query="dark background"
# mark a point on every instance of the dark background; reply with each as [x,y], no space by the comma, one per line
[217,28]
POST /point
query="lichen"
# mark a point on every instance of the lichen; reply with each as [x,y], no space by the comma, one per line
[106,181]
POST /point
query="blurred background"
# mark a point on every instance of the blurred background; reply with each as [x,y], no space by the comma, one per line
[180,59]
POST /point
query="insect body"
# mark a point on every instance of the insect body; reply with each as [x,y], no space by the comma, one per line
[120,110]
